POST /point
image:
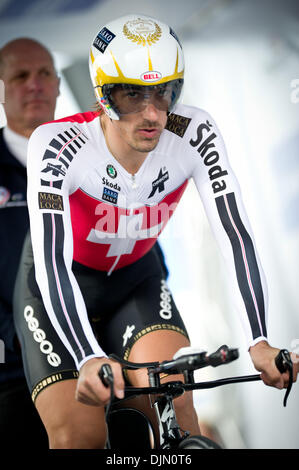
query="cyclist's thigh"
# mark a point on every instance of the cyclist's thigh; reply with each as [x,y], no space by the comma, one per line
[70,424]
[147,327]
[156,346]
[50,370]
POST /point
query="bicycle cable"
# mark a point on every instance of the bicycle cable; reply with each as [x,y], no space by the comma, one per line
[106,375]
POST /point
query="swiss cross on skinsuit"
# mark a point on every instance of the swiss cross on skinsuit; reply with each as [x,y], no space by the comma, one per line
[129,232]
[159,183]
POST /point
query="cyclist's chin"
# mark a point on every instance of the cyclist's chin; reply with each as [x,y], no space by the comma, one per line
[145,145]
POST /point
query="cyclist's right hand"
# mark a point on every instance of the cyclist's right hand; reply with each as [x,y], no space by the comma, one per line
[90,389]
[263,356]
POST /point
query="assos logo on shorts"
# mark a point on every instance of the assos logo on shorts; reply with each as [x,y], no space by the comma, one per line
[165,301]
[40,337]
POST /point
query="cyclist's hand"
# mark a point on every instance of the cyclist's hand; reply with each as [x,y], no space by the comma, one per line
[90,389]
[263,357]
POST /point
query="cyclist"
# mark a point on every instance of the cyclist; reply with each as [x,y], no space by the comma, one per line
[101,187]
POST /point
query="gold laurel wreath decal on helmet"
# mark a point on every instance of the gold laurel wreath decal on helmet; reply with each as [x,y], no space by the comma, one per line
[140,39]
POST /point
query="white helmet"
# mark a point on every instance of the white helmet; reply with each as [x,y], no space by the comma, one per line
[136,51]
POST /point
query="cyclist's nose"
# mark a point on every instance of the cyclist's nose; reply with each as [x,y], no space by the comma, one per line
[150,111]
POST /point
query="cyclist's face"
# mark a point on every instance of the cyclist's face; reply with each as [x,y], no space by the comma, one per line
[141,130]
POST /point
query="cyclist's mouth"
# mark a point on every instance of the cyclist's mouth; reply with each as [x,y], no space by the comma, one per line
[149,132]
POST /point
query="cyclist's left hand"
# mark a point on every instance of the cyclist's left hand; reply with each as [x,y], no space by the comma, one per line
[263,357]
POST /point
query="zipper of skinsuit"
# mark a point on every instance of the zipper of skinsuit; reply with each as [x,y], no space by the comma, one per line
[134,186]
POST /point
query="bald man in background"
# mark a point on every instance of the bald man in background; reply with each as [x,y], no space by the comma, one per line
[31,89]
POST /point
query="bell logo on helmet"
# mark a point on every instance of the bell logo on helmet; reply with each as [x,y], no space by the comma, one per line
[142,31]
[151,76]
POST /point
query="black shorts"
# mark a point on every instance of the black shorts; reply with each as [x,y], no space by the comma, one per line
[122,308]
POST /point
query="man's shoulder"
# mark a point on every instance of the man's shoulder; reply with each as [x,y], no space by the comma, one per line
[64,129]
[78,118]
[188,111]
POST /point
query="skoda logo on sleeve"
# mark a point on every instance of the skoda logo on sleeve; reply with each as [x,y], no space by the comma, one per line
[111,171]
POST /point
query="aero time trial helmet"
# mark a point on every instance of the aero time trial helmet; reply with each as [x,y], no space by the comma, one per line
[133,59]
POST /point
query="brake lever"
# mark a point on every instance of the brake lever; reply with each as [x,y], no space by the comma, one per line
[106,375]
[284,363]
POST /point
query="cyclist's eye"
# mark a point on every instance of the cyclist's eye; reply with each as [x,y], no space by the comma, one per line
[162,93]
[133,94]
